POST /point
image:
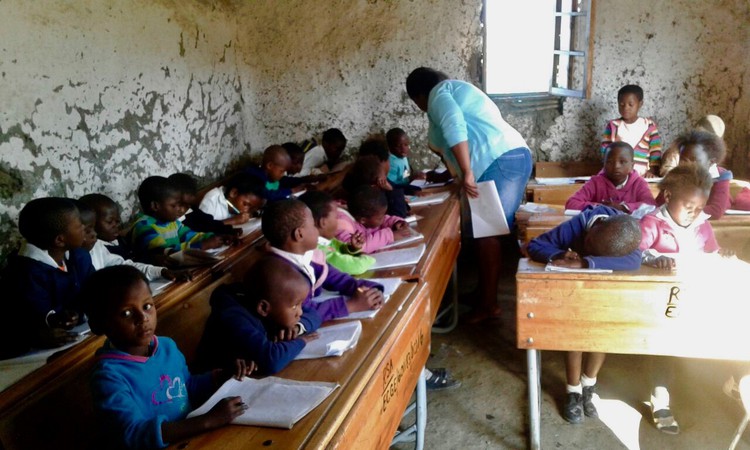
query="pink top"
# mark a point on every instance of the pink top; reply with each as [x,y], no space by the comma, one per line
[600,189]
[375,238]
[660,234]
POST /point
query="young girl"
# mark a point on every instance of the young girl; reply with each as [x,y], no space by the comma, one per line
[367,215]
[708,150]
[617,185]
[371,168]
[142,389]
[235,202]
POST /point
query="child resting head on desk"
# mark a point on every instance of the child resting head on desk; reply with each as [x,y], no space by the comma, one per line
[346,257]
[617,185]
[263,318]
[367,215]
[603,238]
[289,227]
[141,386]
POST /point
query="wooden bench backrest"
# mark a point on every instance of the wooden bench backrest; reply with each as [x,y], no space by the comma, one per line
[549,169]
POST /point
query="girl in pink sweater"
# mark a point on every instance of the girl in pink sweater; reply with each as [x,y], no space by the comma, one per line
[367,206]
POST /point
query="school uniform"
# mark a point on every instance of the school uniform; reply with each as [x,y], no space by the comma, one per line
[151,236]
[660,234]
[101,258]
[719,199]
[272,190]
[197,220]
[400,171]
[215,204]
[632,193]
[375,238]
[315,158]
[338,255]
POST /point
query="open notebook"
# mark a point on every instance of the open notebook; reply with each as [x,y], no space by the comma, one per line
[249,227]
[413,236]
[389,287]
[333,340]
[397,258]
[272,401]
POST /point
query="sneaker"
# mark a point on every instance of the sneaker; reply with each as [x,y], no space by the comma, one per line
[441,379]
[664,421]
[588,405]
[732,390]
[573,409]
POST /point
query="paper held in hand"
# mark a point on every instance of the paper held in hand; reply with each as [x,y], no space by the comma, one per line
[487,214]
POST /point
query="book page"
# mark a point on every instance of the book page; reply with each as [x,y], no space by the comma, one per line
[333,340]
[413,236]
[487,214]
[397,258]
[389,287]
[249,227]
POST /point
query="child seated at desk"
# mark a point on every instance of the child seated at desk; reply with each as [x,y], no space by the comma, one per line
[141,386]
[192,216]
[323,157]
[273,167]
[45,277]
[400,172]
[617,185]
[640,132]
[157,233]
[346,257]
[289,227]
[671,157]
[107,225]
[366,215]
[360,175]
[263,319]
[599,238]
[236,201]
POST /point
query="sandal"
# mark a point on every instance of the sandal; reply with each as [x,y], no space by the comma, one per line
[440,380]
[664,421]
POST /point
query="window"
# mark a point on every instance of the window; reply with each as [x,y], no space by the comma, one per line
[538,47]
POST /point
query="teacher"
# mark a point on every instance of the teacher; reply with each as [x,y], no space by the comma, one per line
[468,131]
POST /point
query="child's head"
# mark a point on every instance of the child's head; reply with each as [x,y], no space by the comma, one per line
[629,102]
[365,171]
[398,142]
[245,192]
[323,210]
[686,189]
[88,219]
[296,155]
[160,199]
[118,303]
[612,236]
[277,291]
[288,225]
[703,148]
[420,82]
[712,124]
[276,162]
[334,143]
[51,223]
[368,205]
[618,162]
[107,216]
[188,187]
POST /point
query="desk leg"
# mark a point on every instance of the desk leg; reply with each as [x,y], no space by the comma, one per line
[534,364]
[421,410]
[452,309]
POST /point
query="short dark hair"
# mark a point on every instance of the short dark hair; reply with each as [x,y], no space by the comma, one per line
[185,183]
[84,209]
[393,135]
[267,278]
[631,89]
[104,288]
[98,202]
[272,154]
[687,176]
[245,184]
[319,203]
[619,145]
[422,80]
[294,150]
[711,143]
[620,235]
[43,219]
[280,219]
[366,201]
[375,145]
[155,189]
[364,171]
[333,135]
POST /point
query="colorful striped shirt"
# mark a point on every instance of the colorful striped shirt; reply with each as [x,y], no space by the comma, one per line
[647,150]
[150,234]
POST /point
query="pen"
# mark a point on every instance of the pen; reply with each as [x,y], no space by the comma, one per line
[236,211]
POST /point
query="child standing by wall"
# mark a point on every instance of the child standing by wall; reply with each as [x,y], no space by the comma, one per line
[600,237]
[366,215]
[141,386]
[640,132]
[618,185]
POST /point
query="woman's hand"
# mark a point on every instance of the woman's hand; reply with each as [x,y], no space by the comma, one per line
[470,185]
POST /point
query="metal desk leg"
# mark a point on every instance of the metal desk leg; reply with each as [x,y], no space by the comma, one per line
[534,364]
[416,431]
[452,308]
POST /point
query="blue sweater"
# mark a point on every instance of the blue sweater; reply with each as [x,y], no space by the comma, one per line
[273,191]
[134,395]
[570,235]
[233,331]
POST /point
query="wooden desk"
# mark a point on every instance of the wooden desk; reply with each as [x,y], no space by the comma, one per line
[697,311]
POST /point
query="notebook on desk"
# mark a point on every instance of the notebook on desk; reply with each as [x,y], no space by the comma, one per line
[333,340]
[249,227]
[427,199]
[413,236]
[396,258]
[389,287]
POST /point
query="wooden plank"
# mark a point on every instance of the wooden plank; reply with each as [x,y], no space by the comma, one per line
[564,169]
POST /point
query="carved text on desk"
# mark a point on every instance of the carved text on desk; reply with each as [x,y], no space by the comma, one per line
[391,380]
[671,311]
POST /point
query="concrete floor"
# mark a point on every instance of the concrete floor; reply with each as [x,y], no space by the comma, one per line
[489,410]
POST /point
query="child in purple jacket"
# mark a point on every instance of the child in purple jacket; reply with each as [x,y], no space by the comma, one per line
[617,185]
[367,215]
[289,227]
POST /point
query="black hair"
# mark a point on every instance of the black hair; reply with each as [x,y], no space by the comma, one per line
[421,81]
[185,183]
[334,135]
[616,236]
[685,176]
[366,201]
[267,278]
[319,203]
[631,89]
[98,201]
[43,219]
[375,145]
[104,289]
[364,171]
[84,209]
[155,189]
[619,145]
[712,144]
[245,184]
[392,136]
[294,150]
[280,219]
[273,153]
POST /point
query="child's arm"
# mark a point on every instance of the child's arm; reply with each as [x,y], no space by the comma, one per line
[555,242]
[585,196]
[374,239]
[719,200]
[192,239]
[631,261]
[221,414]
[352,264]
[642,195]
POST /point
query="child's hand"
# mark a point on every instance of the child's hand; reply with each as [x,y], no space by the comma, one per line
[570,255]
[287,334]
[299,188]
[224,412]
[309,337]
[365,298]
[383,184]
[212,242]
[239,219]
[65,319]
[401,233]
[400,225]
[664,262]
[357,241]
[418,176]
[727,252]
[241,369]
[570,263]
[176,275]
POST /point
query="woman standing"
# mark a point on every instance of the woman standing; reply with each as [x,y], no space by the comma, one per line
[468,131]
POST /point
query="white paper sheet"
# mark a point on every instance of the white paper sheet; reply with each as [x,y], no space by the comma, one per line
[389,287]
[556,181]
[158,285]
[413,236]
[249,227]
[396,258]
[333,340]
[736,212]
[551,268]
[428,199]
[487,214]
[572,212]
[272,401]
[424,184]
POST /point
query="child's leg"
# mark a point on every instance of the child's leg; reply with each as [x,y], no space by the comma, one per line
[594,362]
[573,408]
[662,376]
[573,362]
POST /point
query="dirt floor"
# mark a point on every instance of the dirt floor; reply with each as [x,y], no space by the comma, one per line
[490,409]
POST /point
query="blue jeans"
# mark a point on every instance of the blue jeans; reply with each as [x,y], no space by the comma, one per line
[510,172]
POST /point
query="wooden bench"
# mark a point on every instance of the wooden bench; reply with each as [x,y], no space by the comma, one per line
[566,169]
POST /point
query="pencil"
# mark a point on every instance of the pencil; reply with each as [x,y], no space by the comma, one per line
[234,208]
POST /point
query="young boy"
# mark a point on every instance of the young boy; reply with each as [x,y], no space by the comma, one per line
[346,257]
[262,319]
[275,163]
[324,157]
[289,227]
[708,150]
[157,233]
[192,216]
[400,173]
[235,202]
[141,386]
[640,132]
[599,238]
[45,277]
[374,172]
[108,224]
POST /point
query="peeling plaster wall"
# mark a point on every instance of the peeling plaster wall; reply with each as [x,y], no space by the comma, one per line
[97,95]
